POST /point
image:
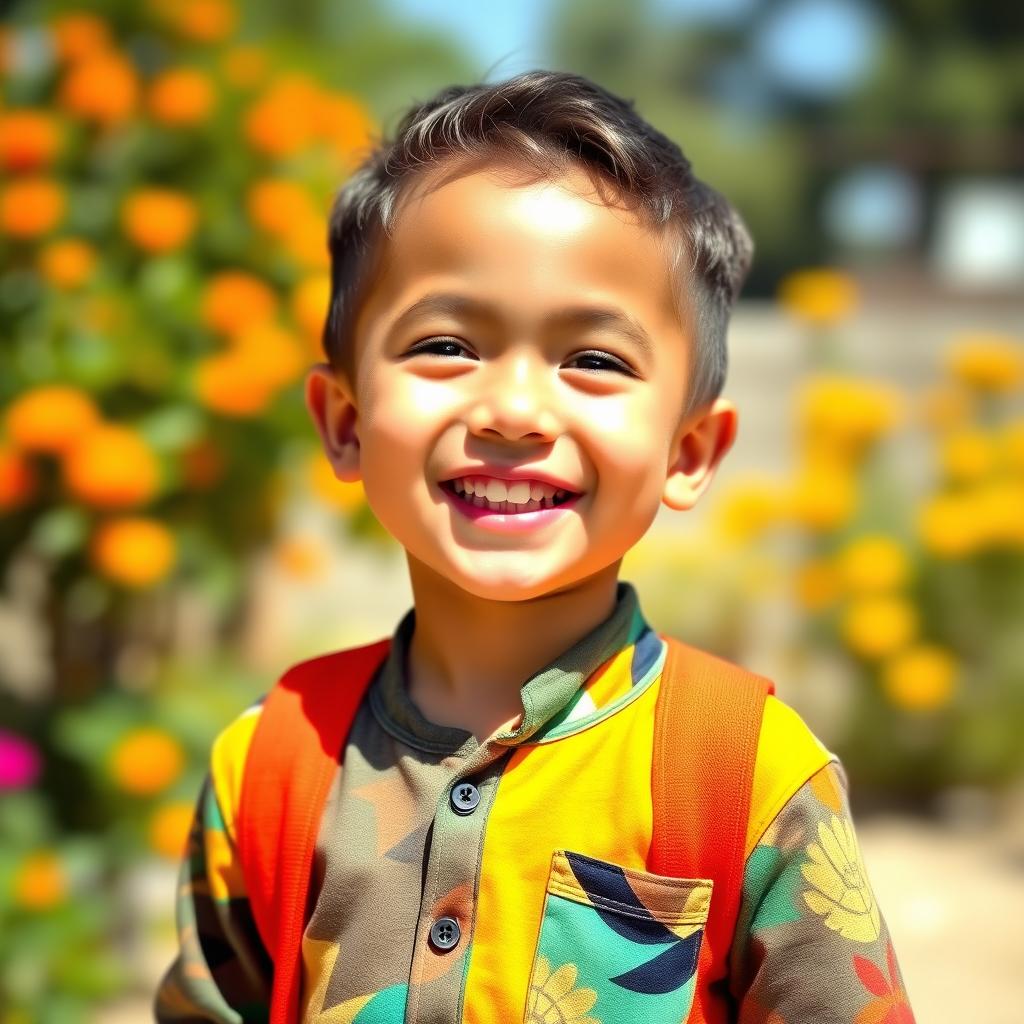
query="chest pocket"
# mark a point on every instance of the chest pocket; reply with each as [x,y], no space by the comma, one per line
[616,944]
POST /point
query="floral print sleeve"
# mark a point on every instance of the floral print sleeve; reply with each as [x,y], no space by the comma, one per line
[811,944]
[222,970]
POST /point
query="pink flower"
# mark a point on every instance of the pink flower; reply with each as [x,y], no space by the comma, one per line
[19,762]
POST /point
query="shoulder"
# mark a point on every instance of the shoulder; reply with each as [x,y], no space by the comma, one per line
[227,762]
[788,754]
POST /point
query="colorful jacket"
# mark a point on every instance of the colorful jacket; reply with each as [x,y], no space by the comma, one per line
[548,865]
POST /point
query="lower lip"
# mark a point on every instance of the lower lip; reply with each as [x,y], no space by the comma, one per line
[511,522]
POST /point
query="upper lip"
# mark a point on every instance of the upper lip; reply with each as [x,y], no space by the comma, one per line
[510,473]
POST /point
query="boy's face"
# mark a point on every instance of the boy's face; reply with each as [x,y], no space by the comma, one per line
[499,380]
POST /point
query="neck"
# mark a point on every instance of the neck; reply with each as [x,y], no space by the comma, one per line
[468,656]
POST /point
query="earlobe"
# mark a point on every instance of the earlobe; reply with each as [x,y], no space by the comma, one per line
[334,415]
[698,448]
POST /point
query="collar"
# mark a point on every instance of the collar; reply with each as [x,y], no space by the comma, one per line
[604,669]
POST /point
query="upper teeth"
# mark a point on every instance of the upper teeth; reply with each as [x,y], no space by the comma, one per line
[519,492]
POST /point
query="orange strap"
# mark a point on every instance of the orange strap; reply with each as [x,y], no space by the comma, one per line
[295,748]
[706,728]
[701,776]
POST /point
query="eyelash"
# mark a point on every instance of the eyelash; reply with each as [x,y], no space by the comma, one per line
[613,363]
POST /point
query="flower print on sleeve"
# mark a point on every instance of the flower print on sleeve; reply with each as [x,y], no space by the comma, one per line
[811,942]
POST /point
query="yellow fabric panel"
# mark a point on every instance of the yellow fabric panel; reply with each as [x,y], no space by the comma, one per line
[227,764]
[788,754]
[557,795]
[223,870]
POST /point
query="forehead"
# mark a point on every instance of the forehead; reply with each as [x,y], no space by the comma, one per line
[529,245]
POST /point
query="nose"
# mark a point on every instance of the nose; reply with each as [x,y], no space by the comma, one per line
[515,398]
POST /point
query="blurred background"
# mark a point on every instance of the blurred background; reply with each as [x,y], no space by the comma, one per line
[172,538]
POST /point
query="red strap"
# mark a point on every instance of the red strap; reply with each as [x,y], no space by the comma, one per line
[707,722]
[294,751]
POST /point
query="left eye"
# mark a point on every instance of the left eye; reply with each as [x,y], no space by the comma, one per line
[609,362]
[433,343]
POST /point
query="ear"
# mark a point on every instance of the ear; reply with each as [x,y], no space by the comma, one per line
[700,444]
[333,411]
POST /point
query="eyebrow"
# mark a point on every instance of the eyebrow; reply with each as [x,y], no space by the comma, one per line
[450,304]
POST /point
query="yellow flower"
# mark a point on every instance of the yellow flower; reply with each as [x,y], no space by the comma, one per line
[968,455]
[749,507]
[823,496]
[920,678]
[819,295]
[816,584]
[987,361]
[845,414]
[873,562]
[998,512]
[1012,446]
[947,525]
[40,882]
[874,627]
[841,893]
[554,998]
[133,550]
[146,761]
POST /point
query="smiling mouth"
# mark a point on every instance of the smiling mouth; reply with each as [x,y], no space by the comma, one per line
[508,507]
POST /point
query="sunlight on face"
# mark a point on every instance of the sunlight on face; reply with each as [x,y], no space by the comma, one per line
[529,327]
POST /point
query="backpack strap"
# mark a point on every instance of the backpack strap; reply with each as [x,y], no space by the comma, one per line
[707,723]
[295,750]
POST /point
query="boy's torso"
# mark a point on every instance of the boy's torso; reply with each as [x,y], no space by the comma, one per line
[463,881]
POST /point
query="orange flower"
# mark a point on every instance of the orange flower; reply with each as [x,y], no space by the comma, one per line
[111,466]
[235,300]
[300,557]
[283,121]
[344,123]
[79,35]
[242,381]
[146,761]
[275,204]
[169,829]
[40,882]
[225,383]
[205,21]
[17,479]
[50,418]
[819,295]
[67,263]
[31,206]
[158,219]
[29,139]
[133,550]
[244,66]
[181,96]
[310,301]
[306,241]
[101,87]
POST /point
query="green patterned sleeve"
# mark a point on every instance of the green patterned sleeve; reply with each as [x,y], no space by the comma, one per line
[222,971]
[811,944]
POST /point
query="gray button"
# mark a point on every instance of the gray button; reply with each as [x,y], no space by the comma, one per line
[445,933]
[464,797]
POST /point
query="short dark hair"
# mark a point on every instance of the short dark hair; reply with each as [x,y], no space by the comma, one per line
[549,121]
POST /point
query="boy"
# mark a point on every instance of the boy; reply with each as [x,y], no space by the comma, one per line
[527,345]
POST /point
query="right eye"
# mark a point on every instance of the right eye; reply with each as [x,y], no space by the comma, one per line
[432,345]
